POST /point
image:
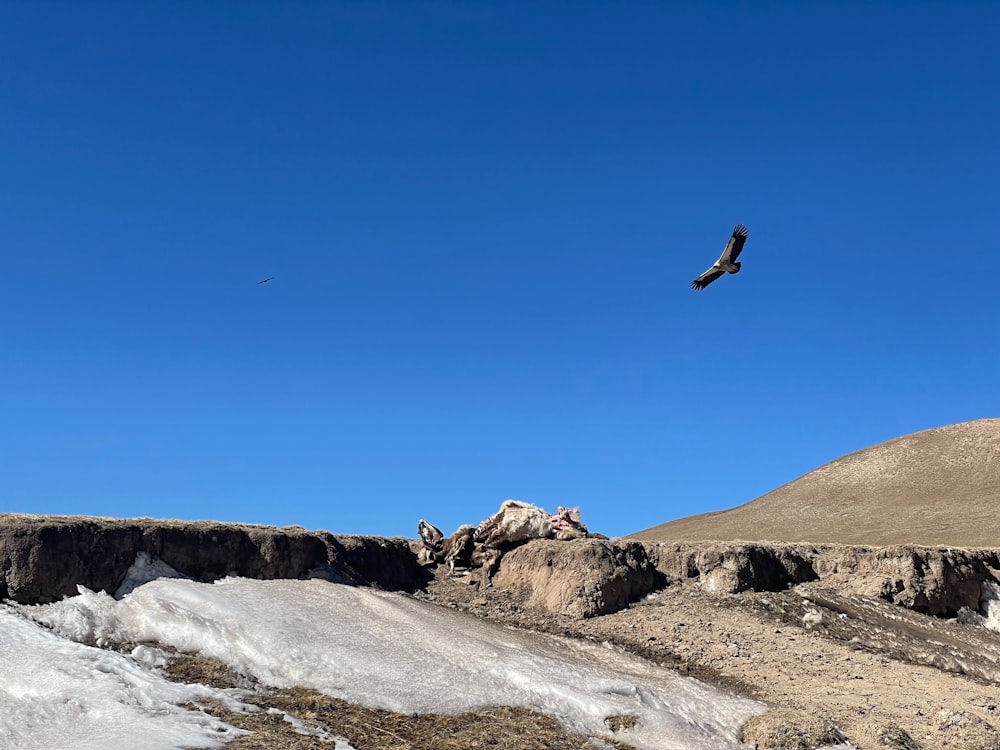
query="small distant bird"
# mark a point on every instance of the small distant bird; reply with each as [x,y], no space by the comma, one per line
[264,281]
[727,262]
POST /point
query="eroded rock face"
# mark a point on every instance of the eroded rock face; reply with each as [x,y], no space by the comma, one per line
[44,558]
[581,578]
[932,580]
[729,568]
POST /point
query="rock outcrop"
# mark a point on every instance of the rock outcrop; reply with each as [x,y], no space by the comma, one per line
[44,558]
[589,577]
[581,578]
[932,580]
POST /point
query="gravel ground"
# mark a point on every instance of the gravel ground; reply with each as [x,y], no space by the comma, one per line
[829,666]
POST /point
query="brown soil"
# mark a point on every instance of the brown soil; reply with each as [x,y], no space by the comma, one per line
[934,487]
[823,681]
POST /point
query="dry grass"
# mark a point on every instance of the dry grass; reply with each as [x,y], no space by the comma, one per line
[929,488]
[621,722]
[498,728]
[782,729]
[200,669]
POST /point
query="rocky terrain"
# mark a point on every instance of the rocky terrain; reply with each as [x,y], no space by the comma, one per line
[884,646]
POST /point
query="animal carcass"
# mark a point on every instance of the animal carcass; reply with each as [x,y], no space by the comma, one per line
[457,550]
[518,522]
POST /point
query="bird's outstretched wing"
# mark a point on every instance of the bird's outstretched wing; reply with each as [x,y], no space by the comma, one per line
[707,278]
[264,281]
[735,245]
[726,261]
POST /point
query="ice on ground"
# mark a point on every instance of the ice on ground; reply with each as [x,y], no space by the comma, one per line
[301,727]
[990,605]
[146,568]
[55,693]
[390,651]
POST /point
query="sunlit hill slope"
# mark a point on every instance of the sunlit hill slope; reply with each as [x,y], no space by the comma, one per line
[934,487]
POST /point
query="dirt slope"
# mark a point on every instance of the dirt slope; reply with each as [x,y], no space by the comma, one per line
[829,665]
[935,487]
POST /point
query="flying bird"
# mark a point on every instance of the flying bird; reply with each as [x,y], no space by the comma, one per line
[727,262]
[264,281]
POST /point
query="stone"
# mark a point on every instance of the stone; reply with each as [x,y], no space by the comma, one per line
[580,578]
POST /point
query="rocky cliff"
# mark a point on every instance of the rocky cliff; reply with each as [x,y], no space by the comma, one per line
[938,581]
[591,577]
[44,558]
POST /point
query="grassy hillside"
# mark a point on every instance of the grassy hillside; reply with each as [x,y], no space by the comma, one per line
[935,487]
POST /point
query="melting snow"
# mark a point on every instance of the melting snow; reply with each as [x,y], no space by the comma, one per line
[375,648]
[146,568]
[55,693]
[990,605]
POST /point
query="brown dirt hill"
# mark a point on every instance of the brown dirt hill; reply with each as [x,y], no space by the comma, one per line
[934,487]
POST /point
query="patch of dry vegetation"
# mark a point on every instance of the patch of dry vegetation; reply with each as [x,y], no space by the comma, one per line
[498,728]
[782,729]
[200,669]
[928,488]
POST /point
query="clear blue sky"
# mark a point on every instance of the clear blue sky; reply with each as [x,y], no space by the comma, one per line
[482,220]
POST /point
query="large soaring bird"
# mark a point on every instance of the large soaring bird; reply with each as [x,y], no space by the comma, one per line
[727,262]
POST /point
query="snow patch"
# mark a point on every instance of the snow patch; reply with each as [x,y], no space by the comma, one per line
[387,650]
[301,727]
[146,568]
[812,618]
[989,604]
[61,694]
